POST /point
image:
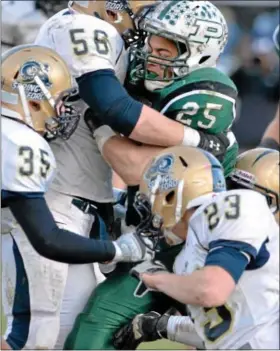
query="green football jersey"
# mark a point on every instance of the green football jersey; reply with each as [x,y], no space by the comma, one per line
[205,100]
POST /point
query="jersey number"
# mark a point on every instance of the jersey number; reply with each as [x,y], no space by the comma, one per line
[192,109]
[26,155]
[100,39]
[219,321]
[232,211]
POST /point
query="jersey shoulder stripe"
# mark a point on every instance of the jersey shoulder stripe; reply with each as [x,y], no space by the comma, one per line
[210,80]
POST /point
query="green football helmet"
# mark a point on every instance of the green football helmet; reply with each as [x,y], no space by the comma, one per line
[197,28]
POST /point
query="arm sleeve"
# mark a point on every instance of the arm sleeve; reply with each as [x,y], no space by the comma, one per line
[114,106]
[230,259]
[54,243]
[241,233]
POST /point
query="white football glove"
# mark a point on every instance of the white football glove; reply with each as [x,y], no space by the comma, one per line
[130,248]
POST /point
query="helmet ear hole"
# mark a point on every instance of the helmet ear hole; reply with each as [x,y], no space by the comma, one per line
[35,106]
[16,75]
[204,59]
[170,197]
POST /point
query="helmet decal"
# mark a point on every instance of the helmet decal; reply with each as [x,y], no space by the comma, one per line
[28,71]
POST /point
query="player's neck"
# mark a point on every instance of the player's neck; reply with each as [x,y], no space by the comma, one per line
[181,228]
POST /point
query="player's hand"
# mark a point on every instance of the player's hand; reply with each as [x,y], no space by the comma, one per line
[130,248]
[143,328]
[215,144]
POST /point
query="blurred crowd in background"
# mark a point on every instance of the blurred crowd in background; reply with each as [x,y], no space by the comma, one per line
[249,58]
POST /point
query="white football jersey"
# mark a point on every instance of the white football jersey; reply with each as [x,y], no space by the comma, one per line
[239,218]
[87,44]
[28,164]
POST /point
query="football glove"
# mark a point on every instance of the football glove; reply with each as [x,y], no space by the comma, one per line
[143,328]
[215,144]
[146,267]
[130,248]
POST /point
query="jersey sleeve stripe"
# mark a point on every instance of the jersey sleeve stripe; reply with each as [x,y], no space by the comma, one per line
[230,259]
[239,245]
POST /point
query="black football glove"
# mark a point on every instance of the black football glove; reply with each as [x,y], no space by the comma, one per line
[143,328]
[215,144]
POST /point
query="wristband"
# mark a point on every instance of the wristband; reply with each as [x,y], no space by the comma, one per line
[102,134]
[191,137]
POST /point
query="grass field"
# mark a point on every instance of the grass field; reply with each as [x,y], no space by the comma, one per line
[162,345]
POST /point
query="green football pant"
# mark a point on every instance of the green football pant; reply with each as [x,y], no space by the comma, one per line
[113,304]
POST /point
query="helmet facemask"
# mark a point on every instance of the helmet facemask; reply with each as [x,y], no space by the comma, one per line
[198,30]
[63,118]
[66,121]
[173,68]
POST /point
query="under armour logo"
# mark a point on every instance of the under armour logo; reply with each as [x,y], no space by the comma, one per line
[213,145]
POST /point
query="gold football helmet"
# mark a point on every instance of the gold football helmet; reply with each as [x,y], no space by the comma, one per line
[179,178]
[258,169]
[36,84]
[125,14]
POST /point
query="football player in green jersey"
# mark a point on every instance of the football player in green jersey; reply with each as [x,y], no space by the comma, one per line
[175,70]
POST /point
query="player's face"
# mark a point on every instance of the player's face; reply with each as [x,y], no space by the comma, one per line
[161,47]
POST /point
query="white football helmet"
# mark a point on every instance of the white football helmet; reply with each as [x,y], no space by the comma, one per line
[199,30]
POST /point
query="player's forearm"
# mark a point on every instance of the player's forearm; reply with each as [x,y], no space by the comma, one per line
[155,129]
[55,243]
[181,329]
[200,288]
[129,117]
[127,159]
[272,131]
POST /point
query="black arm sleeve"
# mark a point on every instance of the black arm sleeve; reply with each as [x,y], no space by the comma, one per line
[54,243]
[105,95]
